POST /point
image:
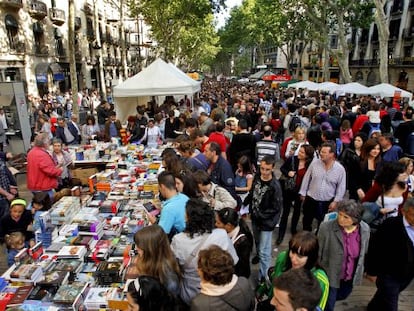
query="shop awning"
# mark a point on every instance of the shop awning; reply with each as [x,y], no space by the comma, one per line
[10,21]
[42,71]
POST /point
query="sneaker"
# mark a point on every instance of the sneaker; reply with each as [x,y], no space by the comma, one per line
[255,260]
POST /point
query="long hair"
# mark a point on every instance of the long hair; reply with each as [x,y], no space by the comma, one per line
[309,151]
[366,149]
[158,259]
[304,243]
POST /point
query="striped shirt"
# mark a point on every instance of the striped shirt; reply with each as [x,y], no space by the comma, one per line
[267,147]
[323,185]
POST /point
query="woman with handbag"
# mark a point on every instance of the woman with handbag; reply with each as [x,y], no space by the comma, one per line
[293,171]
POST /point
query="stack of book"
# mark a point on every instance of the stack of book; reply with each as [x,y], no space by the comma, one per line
[70,295]
[93,228]
[19,296]
[101,251]
[36,251]
[23,257]
[97,297]
[86,240]
[72,252]
[64,210]
[109,272]
[46,236]
[26,273]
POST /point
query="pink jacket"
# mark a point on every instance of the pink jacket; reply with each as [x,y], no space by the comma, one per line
[346,136]
[42,173]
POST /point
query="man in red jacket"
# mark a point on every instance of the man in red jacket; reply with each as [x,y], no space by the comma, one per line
[42,171]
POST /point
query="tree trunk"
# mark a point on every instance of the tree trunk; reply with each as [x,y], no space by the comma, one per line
[122,37]
[383,36]
[99,51]
[72,59]
[343,55]
[325,64]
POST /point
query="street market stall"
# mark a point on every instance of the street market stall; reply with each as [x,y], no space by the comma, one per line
[158,79]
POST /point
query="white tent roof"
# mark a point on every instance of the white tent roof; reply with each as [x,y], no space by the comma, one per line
[353,88]
[157,79]
[388,90]
[328,86]
[312,86]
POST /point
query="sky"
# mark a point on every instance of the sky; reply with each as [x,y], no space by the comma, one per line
[221,18]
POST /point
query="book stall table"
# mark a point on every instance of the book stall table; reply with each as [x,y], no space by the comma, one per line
[84,253]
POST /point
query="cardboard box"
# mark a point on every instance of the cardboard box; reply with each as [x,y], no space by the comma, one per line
[83,174]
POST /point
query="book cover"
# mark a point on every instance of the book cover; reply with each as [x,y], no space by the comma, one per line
[72,251]
[55,247]
[23,257]
[25,272]
[20,295]
[43,293]
[36,251]
[54,278]
[70,265]
[68,293]
[36,305]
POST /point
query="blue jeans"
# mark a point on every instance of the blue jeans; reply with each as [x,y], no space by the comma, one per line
[265,249]
[337,294]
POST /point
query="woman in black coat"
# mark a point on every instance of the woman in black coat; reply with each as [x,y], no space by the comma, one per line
[239,233]
[293,166]
[350,158]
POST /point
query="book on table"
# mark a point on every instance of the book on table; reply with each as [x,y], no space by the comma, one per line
[72,251]
[69,293]
[26,272]
[54,278]
[20,295]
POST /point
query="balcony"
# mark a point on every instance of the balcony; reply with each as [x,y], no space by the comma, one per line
[12,4]
[363,63]
[40,50]
[57,16]
[19,47]
[38,10]
[404,61]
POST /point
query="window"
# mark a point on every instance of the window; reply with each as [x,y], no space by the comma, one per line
[12,28]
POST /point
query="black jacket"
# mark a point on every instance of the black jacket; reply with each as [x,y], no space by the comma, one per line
[391,251]
[266,216]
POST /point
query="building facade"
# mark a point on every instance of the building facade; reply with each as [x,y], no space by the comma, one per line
[364,62]
[34,44]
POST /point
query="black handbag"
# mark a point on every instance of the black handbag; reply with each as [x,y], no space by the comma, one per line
[289,182]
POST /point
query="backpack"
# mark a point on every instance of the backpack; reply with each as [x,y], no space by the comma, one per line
[294,123]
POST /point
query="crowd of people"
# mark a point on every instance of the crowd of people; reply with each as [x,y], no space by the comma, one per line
[222,165]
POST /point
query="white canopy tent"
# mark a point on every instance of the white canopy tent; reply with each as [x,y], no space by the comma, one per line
[388,90]
[328,86]
[312,86]
[158,79]
[353,88]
